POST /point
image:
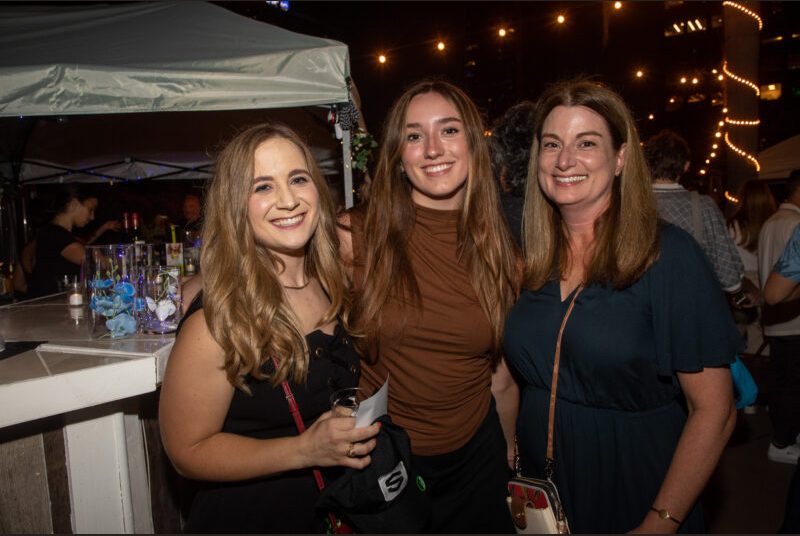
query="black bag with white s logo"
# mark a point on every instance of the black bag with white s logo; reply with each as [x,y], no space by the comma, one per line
[387,496]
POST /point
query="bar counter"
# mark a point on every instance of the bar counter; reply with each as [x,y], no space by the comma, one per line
[64,386]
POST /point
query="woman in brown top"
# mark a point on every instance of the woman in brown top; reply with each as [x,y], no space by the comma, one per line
[433,268]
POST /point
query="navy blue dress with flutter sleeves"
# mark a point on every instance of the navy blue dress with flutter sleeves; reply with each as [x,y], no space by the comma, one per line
[619,411]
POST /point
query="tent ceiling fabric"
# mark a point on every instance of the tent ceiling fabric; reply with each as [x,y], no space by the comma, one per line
[166,145]
[778,161]
[154,56]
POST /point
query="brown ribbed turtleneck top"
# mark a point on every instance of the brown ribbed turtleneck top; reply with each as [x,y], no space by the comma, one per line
[440,387]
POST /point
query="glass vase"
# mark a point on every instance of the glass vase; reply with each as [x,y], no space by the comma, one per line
[162,299]
[111,286]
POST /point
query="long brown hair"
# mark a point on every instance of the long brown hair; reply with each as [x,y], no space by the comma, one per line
[484,241]
[756,205]
[243,301]
[626,234]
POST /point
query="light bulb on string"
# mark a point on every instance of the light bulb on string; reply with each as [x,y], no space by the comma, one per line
[737,78]
[746,11]
[742,152]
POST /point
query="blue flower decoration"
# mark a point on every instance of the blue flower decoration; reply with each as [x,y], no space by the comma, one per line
[100,304]
[103,283]
[125,289]
[121,325]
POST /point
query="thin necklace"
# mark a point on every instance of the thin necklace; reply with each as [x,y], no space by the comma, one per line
[299,287]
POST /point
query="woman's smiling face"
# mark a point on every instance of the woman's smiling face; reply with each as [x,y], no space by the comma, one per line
[436,153]
[283,207]
[577,160]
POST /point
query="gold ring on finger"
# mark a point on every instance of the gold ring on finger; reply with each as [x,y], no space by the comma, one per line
[351,451]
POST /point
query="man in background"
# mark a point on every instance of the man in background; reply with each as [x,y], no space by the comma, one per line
[668,155]
[782,329]
[192,219]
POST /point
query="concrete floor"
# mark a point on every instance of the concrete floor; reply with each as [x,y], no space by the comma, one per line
[747,493]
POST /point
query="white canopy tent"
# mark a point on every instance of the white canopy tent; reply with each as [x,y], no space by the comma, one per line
[161,58]
[778,161]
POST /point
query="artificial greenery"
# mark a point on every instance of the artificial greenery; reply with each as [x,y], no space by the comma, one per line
[361,149]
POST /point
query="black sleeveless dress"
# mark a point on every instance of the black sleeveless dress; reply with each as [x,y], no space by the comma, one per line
[282,503]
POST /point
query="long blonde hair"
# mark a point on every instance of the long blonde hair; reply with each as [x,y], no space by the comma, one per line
[484,241]
[626,235]
[243,300]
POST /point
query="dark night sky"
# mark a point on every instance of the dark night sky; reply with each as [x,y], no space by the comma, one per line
[540,51]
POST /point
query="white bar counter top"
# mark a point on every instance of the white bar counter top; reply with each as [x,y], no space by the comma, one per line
[70,370]
[91,382]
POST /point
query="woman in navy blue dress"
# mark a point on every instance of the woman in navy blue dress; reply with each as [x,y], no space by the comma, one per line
[644,398]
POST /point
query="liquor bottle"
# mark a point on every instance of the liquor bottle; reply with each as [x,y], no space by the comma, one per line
[135,224]
[126,229]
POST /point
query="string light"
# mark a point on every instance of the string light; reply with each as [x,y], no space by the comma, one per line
[746,11]
[440,45]
[739,79]
[561,19]
[617,5]
[651,117]
[749,83]
[639,73]
[683,79]
[730,197]
[501,32]
[695,80]
[743,122]
[742,152]
[381,59]
[715,146]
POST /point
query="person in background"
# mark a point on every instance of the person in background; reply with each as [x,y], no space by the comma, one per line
[649,328]
[192,221]
[434,273]
[510,142]
[273,309]
[667,155]
[58,252]
[783,285]
[756,205]
[782,329]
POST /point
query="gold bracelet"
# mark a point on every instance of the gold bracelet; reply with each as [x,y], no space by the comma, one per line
[663,513]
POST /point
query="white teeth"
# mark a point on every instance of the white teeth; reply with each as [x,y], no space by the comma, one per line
[288,222]
[573,178]
[438,167]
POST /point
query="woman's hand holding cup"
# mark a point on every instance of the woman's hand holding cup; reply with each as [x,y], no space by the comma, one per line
[334,440]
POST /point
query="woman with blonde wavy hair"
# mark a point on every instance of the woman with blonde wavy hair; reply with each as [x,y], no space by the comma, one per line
[273,309]
[434,274]
[639,318]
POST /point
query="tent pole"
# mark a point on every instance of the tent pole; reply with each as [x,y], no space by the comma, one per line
[348,169]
